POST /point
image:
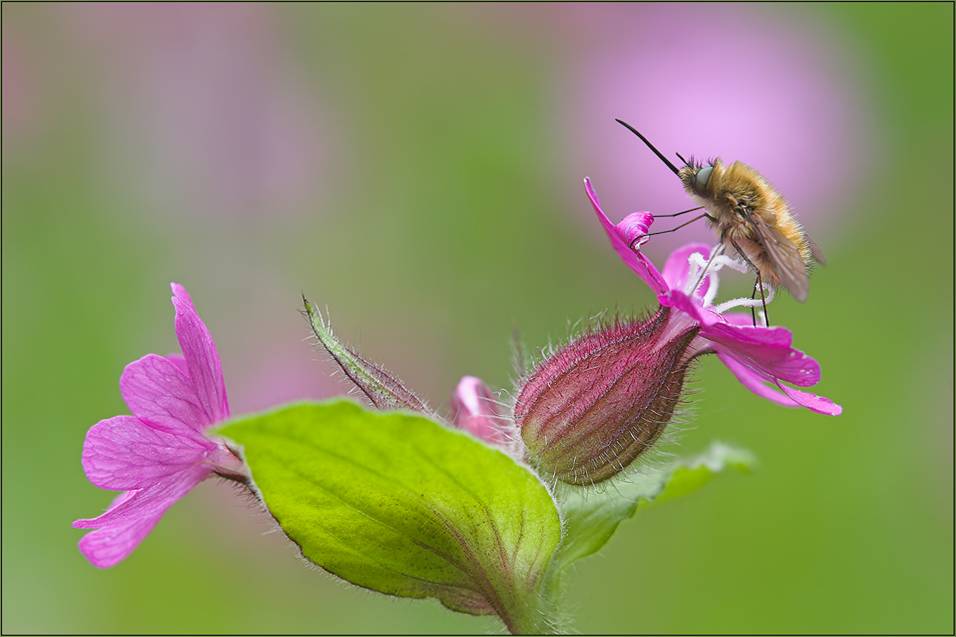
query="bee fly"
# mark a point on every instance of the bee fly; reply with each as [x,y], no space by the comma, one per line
[751,218]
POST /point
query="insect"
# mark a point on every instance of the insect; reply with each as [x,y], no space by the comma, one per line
[751,218]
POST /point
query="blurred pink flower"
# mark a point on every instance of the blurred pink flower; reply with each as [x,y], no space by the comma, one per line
[761,358]
[159,453]
[207,115]
[16,109]
[728,80]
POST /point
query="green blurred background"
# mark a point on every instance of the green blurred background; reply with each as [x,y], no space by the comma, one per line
[416,169]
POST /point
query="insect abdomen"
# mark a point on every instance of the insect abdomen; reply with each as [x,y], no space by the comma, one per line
[740,192]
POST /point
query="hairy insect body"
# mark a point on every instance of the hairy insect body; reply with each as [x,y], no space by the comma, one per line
[753,220]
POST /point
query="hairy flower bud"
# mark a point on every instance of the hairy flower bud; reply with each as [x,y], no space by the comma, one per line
[594,406]
[381,388]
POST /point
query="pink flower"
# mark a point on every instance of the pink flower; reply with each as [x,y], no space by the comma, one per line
[761,358]
[158,454]
[170,105]
[475,409]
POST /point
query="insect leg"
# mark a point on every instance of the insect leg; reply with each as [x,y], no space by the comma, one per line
[682,212]
[763,301]
[674,229]
[742,254]
[753,295]
[757,284]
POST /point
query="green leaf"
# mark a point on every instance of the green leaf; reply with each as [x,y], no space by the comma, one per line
[399,504]
[592,516]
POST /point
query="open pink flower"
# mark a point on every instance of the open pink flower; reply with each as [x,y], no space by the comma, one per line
[761,358]
[158,454]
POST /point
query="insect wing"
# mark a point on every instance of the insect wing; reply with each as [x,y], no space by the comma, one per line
[786,259]
[816,252]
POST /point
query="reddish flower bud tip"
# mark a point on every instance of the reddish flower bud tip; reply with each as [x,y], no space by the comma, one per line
[475,409]
[593,407]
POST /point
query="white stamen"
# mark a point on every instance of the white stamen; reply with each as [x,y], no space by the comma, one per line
[747,302]
[697,274]
[716,265]
[730,262]
[711,293]
[701,269]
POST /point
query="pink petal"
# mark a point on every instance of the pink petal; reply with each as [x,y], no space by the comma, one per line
[132,516]
[738,318]
[110,545]
[813,402]
[636,261]
[475,410]
[158,390]
[199,350]
[766,350]
[634,228]
[676,299]
[123,452]
[790,398]
[180,363]
[777,338]
[677,267]
[148,502]
[752,381]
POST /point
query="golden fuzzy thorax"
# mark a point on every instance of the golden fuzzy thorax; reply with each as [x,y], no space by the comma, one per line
[736,189]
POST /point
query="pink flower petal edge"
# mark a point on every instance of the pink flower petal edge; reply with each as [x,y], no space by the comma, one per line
[202,360]
[132,516]
[779,393]
[761,358]
[677,267]
[158,454]
[621,239]
[475,409]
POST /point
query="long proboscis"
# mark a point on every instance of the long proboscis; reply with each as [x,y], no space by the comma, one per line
[659,154]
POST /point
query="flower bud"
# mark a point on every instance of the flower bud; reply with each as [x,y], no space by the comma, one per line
[475,410]
[381,388]
[594,406]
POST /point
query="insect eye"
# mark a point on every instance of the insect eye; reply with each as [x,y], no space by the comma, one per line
[703,175]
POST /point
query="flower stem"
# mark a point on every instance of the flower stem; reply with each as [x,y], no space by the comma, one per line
[534,612]
[529,619]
